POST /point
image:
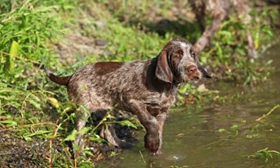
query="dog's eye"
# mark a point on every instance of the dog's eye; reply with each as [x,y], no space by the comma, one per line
[179,54]
[192,52]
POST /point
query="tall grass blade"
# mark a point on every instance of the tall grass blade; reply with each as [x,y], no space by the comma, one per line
[9,66]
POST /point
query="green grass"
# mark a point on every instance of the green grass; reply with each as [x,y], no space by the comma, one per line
[31,31]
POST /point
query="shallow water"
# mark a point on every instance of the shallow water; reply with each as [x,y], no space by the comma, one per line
[217,136]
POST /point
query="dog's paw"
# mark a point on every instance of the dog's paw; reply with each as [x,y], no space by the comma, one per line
[152,143]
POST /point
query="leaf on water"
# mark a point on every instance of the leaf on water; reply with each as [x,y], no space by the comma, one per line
[234,127]
[222,130]
[269,62]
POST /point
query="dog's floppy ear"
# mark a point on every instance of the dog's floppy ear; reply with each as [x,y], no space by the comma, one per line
[163,71]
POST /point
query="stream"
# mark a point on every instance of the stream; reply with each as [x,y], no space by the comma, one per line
[221,135]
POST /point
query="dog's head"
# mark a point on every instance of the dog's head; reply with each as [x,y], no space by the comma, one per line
[178,63]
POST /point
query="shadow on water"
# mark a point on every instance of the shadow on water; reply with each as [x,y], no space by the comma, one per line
[219,136]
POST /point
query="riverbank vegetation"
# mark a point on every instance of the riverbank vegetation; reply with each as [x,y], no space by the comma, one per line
[65,35]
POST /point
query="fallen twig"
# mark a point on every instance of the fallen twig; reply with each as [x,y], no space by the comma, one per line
[267,114]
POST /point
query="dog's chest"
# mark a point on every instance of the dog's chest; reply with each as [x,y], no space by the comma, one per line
[159,103]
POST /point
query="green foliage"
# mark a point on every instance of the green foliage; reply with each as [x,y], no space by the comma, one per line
[265,154]
[29,24]
[228,54]
[233,129]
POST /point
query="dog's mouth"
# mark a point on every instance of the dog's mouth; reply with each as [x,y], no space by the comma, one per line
[195,78]
[190,78]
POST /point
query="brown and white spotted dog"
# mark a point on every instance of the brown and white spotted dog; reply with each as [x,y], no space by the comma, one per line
[145,88]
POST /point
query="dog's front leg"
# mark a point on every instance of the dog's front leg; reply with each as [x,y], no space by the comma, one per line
[161,118]
[152,137]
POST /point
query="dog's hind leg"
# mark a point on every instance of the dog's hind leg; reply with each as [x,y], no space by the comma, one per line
[108,132]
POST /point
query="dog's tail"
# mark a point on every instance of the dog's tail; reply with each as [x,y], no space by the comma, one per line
[62,80]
